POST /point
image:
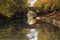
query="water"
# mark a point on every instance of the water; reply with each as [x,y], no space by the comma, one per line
[32,35]
[23,31]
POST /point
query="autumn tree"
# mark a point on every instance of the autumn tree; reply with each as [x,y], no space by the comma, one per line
[48,5]
[8,7]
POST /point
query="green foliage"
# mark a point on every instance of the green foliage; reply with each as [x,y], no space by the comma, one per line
[48,4]
[57,3]
[8,7]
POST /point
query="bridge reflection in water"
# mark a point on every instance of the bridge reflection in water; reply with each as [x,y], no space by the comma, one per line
[23,31]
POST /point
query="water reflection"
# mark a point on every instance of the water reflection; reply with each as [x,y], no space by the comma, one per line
[32,35]
[23,31]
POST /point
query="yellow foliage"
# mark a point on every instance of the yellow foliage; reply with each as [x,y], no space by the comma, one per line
[8,7]
[41,2]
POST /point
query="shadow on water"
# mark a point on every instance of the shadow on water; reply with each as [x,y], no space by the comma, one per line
[19,29]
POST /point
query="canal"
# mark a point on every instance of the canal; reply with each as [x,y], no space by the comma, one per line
[23,31]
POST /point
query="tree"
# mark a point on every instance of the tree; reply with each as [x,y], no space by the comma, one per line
[57,4]
[8,7]
[46,5]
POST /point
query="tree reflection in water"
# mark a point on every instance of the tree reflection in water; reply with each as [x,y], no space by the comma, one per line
[22,31]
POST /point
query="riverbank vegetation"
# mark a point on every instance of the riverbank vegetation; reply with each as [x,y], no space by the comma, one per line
[9,7]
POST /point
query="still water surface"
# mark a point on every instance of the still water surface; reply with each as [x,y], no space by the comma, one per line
[23,31]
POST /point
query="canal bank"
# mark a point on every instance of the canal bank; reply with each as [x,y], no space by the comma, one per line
[52,21]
